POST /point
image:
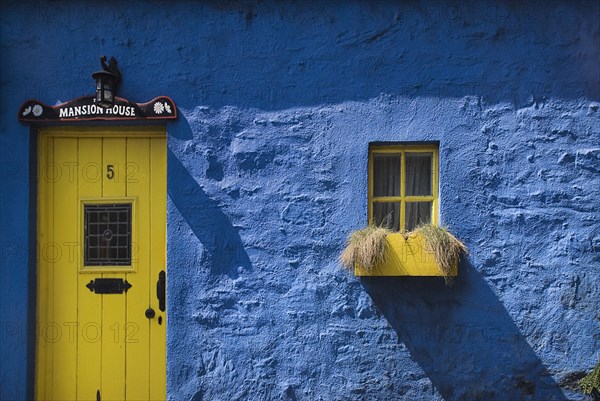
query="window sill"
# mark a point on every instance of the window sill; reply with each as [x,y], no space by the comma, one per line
[406,257]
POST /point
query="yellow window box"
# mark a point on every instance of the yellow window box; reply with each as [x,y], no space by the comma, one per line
[406,257]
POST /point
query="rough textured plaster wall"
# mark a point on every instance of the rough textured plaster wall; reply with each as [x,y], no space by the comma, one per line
[269,197]
[267,176]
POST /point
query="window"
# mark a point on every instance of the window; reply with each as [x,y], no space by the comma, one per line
[403,185]
[107,234]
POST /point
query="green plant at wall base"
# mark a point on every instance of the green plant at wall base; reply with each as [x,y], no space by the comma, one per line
[365,247]
[591,382]
[445,247]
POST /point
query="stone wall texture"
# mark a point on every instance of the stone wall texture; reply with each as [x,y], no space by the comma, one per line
[267,176]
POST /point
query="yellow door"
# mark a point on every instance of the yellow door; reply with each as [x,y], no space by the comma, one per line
[101,321]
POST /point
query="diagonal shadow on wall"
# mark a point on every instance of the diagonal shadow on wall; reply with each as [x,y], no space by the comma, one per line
[462,337]
[223,248]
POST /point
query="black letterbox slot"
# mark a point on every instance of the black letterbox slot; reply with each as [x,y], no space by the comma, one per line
[108,286]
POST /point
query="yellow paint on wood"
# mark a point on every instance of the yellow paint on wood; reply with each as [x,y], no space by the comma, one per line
[114,159]
[89,358]
[88,342]
[64,361]
[99,200]
[158,325]
[137,329]
[405,257]
[99,132]
[403,199]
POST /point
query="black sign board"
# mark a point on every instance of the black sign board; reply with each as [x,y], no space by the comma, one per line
[85,109]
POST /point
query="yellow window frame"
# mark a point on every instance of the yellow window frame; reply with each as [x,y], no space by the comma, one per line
[403,199]
[132,267]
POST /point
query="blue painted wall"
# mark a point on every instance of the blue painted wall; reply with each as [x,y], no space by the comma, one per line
[267,176]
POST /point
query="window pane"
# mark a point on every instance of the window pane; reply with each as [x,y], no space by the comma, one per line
[107,234]
[418,174]
[386,175]
[387,214]
[417,213]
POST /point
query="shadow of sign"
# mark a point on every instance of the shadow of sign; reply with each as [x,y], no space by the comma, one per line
[463,338]
[223,248]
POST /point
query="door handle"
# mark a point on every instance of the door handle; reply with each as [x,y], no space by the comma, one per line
[161,290]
